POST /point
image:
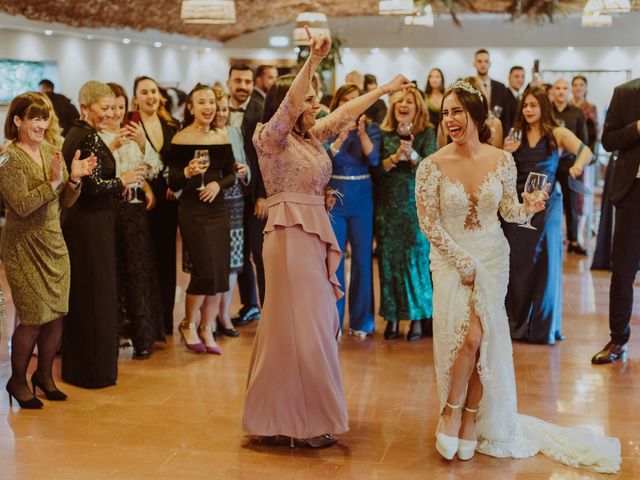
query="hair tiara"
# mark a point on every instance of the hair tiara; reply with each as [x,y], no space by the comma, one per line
[467,87]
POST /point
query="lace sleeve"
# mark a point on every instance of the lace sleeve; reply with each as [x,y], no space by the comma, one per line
[428,203]
[331,125]
[510,208]
[271,137]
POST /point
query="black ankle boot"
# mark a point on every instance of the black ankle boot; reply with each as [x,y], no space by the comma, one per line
[415,331]
[391,331]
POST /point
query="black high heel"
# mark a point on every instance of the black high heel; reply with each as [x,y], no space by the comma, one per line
[53,395]
[31,404]
[415,331]
[391,330]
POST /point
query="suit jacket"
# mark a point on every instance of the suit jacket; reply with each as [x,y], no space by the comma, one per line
[500,95]
[65,110]
[513,103]
[251,117]
[620,133]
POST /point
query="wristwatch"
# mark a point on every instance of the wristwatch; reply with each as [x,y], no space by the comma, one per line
[414,157]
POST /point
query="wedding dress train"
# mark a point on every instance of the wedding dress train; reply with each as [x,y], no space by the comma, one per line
[465,234]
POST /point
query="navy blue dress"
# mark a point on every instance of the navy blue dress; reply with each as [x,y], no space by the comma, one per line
[534,296]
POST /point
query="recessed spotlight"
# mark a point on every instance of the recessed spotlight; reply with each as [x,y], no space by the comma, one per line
[279,41]
[207,49]
[406,49]
[296,50]
[157,44]
[126,41]
[48,32]
[571,49]
[375,51]
[89,37]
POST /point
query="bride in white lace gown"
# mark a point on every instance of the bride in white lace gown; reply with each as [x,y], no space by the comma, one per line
[459,192]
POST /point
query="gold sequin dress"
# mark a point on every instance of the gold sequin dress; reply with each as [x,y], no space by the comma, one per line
[32,247]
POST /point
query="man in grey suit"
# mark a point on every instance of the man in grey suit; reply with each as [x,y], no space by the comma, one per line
[622,132]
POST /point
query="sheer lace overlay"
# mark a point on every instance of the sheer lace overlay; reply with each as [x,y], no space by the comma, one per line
[465,233]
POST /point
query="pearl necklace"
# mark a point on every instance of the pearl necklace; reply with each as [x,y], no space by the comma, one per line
[202,129]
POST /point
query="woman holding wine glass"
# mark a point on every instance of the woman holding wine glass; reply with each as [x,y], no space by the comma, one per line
[139,306]
[534,296]
[460,190]
[403,252]
[201,165]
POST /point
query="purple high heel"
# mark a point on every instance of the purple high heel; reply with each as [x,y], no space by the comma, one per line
[194,347]
[212,350]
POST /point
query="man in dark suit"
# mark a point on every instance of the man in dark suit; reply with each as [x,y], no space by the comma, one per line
[622,132]
[516,82]
[497,93]
[66,112]
[245,111]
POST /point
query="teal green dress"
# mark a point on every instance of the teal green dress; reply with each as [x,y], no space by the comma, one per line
[406,292]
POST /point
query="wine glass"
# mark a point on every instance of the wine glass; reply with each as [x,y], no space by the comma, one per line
[516,135]
[134,197]
[203,159]
[404,131]
[497,111]
[536,183]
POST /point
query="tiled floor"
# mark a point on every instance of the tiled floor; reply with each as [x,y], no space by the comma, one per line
[178,415]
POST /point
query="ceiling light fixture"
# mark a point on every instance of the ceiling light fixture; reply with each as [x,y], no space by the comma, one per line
[208,11]
[157,44]
[126,41]
[422,18]
[396,7]
[317,23]
[48,33]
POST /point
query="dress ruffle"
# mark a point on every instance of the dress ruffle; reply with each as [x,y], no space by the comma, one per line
[288,209]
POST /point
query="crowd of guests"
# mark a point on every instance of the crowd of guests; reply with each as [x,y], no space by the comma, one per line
[97,270]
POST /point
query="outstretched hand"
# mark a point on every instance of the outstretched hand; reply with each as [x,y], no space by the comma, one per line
[399,82]
[320,44]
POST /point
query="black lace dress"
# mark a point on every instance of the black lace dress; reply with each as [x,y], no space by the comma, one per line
[90,332]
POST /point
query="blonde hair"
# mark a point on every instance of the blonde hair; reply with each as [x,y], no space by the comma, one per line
[92,91]
[421,119]
[53,133]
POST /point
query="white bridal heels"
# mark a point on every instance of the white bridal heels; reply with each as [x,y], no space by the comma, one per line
[467,448]
[446,445]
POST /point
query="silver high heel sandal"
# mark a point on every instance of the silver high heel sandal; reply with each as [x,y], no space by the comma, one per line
[467,448]
[446,445]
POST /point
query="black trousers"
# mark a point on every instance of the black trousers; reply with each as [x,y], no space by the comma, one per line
[625,257]
[252,251]
[569,197]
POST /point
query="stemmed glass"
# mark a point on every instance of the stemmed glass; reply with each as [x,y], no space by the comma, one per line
[497,111]
[536,183]
[134,197]
[404,131]
[516,135]
[203,158]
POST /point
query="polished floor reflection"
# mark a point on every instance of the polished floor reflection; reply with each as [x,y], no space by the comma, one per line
[178,415]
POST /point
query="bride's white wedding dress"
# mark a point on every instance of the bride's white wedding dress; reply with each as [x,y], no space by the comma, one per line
[465,234]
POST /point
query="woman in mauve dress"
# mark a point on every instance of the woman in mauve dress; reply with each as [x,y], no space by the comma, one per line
[294,387]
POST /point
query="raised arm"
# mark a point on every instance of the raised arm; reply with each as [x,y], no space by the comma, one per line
[616,134]
[94,184]
[341,117]
[272,136]
[510,207]
[428,179]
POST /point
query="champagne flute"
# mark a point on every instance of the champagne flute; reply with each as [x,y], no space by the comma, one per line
[536,183]
[203,159]
[134,196]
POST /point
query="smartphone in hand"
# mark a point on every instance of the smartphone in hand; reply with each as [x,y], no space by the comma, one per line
[133,117]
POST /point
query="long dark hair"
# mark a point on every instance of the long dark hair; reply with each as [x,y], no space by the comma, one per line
[475,105]
[428,89]
[188,116]
[163,113]
[276,95]
[547,122]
